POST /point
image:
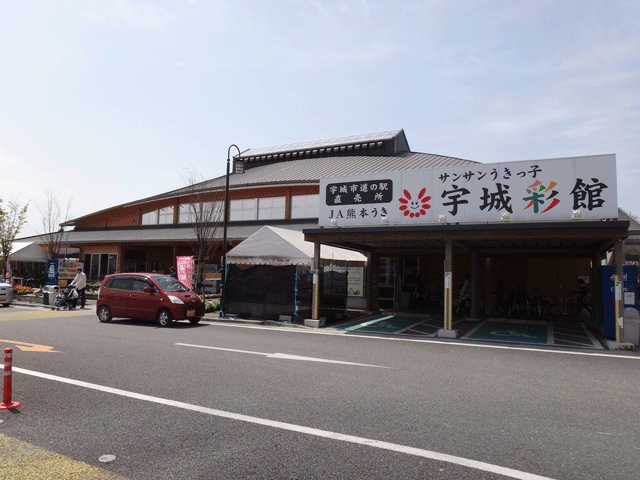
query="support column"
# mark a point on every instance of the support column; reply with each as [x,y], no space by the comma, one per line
[448,331]
[618,257]
[316,281]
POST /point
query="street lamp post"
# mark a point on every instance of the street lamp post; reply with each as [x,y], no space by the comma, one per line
[223,274]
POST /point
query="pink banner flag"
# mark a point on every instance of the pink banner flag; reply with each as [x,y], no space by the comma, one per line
[185,270]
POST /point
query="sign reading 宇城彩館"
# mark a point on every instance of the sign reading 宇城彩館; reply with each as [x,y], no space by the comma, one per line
[537,190]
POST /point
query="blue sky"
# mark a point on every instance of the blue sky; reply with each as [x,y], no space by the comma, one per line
[106,102]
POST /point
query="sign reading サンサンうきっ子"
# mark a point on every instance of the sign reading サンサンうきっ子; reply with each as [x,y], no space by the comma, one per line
[536,190]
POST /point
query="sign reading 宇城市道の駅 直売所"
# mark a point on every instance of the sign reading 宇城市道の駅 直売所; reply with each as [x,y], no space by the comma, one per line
[528,191]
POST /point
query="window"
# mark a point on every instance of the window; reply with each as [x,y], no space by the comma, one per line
[165,215]
[150,218]
[162,216]
[121,283]
[213,211]
[99,265]
[112,263]
[201,212]
[93,272]
[243,209]
[139,284]
[187,212]
[271,208]
[305,206]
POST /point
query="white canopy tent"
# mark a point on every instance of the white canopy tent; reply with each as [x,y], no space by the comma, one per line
[33,252]
[27,252]
[270,275]
[279,246]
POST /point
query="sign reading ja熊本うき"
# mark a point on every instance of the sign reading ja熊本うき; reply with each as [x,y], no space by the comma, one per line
[536,190]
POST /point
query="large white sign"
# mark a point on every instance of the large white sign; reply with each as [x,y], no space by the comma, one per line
[537,190]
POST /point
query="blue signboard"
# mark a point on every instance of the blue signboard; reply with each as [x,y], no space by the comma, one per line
[629,295]
[52,273]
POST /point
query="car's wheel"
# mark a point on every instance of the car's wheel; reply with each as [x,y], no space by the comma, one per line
[104,314]
[165,319]
[194,320]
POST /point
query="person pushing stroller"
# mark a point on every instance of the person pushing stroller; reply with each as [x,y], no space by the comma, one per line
[66,299]
[80,283]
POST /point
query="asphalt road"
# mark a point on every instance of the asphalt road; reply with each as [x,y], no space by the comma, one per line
[218,400]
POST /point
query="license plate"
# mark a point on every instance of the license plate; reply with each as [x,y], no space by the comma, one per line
[3,299]
[191,313]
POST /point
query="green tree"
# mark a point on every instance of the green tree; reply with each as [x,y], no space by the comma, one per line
[12,218]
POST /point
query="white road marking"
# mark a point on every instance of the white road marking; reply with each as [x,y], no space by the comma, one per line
[370,322]
[283,356]
[393,447]
[452,343]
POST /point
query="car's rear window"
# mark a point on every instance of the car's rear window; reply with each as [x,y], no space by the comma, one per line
[121,283]
[169,284]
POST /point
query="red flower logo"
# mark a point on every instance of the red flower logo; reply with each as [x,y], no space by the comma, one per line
[415,208]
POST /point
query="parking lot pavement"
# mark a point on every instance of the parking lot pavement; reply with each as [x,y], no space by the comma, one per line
[566,334]
[427,326]
[531,332]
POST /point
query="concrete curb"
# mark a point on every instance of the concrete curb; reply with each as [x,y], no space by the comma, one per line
[214,317]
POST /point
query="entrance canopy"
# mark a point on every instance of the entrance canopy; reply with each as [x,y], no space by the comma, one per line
[579,238]
[279,246]
[558,206]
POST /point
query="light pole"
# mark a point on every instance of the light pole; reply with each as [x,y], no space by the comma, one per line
[223,274]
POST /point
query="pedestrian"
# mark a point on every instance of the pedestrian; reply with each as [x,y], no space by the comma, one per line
[172,273]
[80,282]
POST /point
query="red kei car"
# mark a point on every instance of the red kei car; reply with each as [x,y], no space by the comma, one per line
[147,295]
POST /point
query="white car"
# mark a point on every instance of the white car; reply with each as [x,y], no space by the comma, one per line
[6,294]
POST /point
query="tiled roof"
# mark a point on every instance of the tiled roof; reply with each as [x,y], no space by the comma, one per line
[168,234]
[311,171]
[382,144]
[317,144]
[339,157]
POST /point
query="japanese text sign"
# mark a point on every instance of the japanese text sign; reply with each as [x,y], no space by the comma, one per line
[537,190]
[185,270]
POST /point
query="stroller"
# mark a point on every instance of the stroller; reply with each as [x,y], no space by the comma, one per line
[64,300]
